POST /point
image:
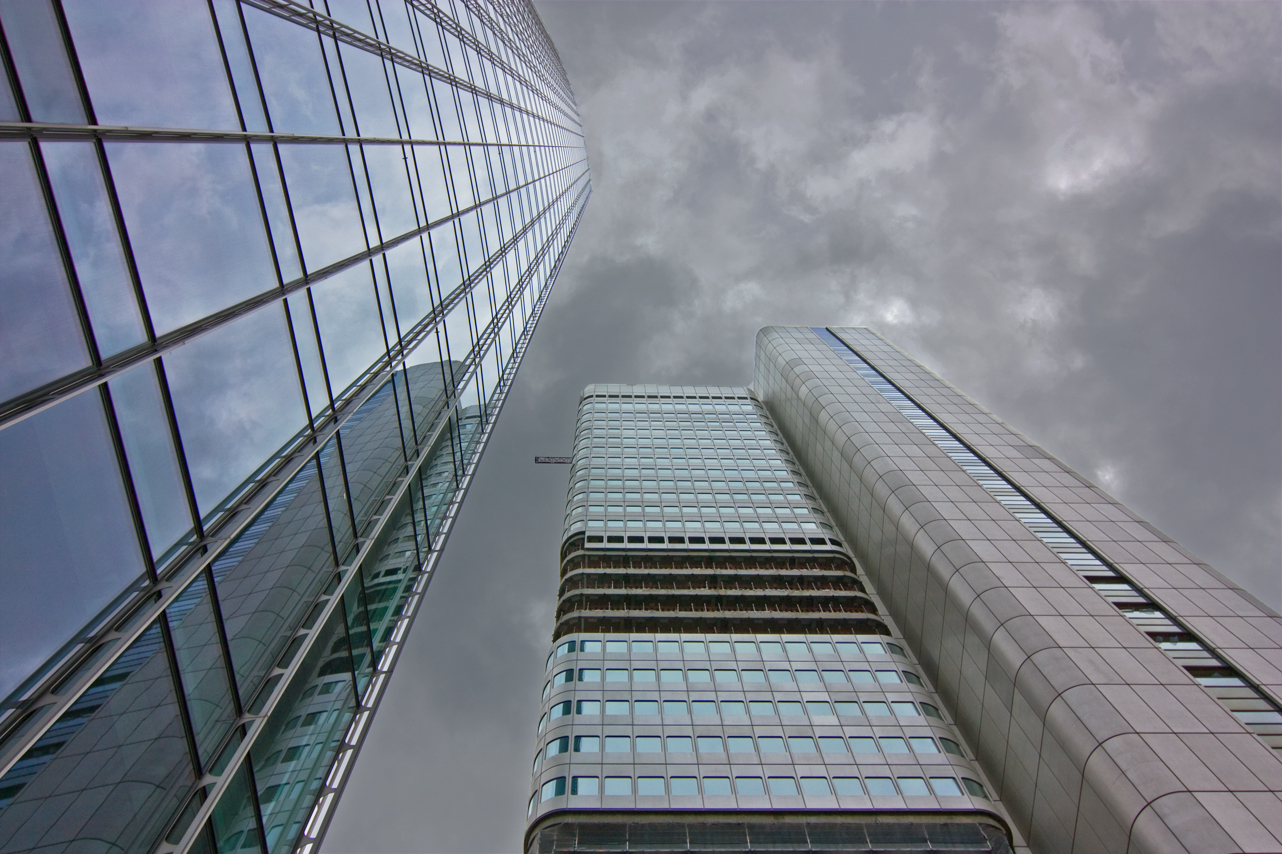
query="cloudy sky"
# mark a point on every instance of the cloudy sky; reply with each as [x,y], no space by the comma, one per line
[1072,213]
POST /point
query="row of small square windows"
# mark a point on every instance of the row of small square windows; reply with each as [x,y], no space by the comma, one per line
[911,787]
[757,708]
[755,649]
[743,744]
[704,404]
[693,540]
[778,676]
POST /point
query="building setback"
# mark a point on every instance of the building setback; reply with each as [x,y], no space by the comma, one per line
[269,271]
[848,609]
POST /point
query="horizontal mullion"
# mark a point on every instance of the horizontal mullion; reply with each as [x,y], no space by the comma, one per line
[42,398]
[45,130]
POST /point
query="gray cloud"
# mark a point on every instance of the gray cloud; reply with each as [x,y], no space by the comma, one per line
[1070,212]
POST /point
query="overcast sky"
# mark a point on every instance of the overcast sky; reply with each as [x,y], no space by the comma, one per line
[1072,213]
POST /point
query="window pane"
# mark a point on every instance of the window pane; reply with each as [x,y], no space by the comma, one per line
[201,667]
[749,787]
[319,180]
[293,75]
[64,526]
[40,336]
[90,226]
[152,64]
[848,786]
[235,391]
[650,787]
[618,786]
[195,226]
[685,786]
[153,465]
[716,786]
[32,33]
[945,787]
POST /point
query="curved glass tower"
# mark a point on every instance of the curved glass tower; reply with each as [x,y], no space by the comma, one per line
[268,270]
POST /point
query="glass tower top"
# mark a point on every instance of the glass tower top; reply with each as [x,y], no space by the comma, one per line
[269,269]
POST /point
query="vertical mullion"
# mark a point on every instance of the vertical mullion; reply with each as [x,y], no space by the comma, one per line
[175,435]
[180,693]
[126,476]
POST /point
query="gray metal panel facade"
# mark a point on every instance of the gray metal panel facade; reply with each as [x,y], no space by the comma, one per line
[1096,739]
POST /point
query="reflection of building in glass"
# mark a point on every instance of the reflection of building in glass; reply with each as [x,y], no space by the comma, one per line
[849,610]
[268,272]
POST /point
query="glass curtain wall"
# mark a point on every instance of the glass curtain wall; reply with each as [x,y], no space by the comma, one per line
[268,268]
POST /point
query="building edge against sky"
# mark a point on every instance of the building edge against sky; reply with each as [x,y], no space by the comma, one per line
[1112,692]
[259,324]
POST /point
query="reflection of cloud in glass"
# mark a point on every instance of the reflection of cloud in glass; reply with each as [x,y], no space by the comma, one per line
[152,63]
[64,526]
[293,75]
[347,313]
[195,226]
[236,396]
[319,179]
[39,332]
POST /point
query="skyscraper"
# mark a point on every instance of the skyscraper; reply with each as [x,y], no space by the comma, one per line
[849,609]
[268,271]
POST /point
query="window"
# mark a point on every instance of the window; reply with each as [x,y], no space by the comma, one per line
[716,787]
[674,707]
[905,710]
[585,786]
[543,721]
[896,649]
[552,789]
[892,744]
[861,676]
[685,786]
[669,648]
[912,678]
[780,676]
[733,707]
[772,648]
[848,786]
[618,744]
[749,787]
[913,787]
[557,746]
[709,744]
[835,676]
[559,710]
[615,646]
[930,711]
[816,787]
[876,709]
[821,648]
[945,787]
[642,675]
[547,689]
[616,674]
[692,647]
[818,709]
[888,676]
[797,649]
[565,649]
[642,648]
[649,744]
[703,708]
[719,647]
[645,707]
[745,648]
[761,708]
[529,810]
[951,746]
[974,787]
[790,709]
[618,786]
[564,677]
[863,744]
[801,744]
[872,648]
[783,787]
[589,674]
[849,709]
[669,675]
[832,744]
[616,707]
[883,786]
[848,650]
[770,744]
[923,745]
[680,744]
[650,787]
[753,676]
[698,676]
[740,744]
[587,707]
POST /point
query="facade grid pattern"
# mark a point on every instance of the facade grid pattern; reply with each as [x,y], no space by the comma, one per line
[259,323]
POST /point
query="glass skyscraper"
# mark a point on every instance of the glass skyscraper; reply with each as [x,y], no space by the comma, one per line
[847,609]
[268,269]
